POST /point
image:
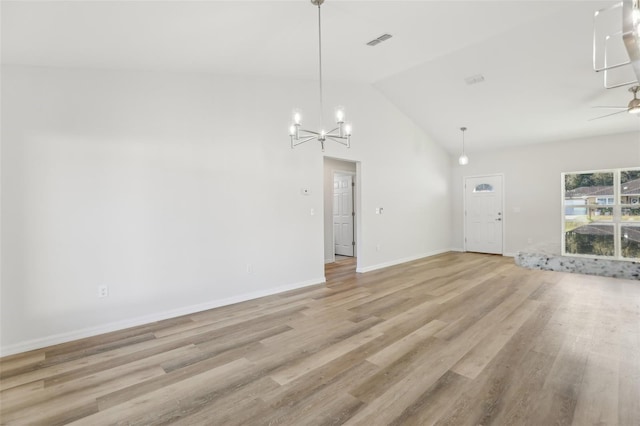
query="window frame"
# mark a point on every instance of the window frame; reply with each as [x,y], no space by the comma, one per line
[616,223]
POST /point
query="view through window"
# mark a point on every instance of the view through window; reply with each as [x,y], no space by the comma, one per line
[601,214]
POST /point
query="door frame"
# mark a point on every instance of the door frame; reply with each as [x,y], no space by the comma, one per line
[464,208]
[359,254]
[354,176]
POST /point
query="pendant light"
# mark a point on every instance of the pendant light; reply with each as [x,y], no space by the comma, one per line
[463,160]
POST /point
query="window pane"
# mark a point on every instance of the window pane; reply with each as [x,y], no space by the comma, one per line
[590,239]
[599,214]
[584,194]
[631,213]
[630,242]
[483,187]
[630,187]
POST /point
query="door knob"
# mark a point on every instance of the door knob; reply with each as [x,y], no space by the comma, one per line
[499,218]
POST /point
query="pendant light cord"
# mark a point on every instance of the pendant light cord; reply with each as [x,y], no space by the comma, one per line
[464,129]
[463,142]
[320,66]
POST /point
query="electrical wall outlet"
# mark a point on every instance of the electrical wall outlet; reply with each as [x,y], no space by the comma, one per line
[103,291]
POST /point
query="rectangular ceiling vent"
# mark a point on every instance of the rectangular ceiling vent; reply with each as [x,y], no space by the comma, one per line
[474,79]
[379,40]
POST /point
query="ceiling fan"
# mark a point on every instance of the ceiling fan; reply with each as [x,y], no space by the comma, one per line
[632,108]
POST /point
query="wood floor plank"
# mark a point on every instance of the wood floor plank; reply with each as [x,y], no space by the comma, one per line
[434,403]
[233,408]
[169,402]
[399,348]
[477,358]
[30,359]
[457,338]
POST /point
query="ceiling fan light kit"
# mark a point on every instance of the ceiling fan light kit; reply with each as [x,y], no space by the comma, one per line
[341,133]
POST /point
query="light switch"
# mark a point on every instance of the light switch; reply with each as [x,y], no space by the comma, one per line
[313,212]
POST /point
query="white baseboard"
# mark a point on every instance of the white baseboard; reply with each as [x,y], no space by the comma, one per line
[458,249]
[146,319]
[399,261]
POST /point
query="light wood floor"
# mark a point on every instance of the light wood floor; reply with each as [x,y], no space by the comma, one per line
[452,339]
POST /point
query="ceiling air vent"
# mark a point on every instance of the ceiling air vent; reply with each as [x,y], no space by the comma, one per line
[474,79]
[379,40]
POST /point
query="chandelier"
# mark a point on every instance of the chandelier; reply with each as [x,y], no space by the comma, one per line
[341,133]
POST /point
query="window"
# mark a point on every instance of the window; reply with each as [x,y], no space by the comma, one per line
[601,214]
[604,200]
[483,187]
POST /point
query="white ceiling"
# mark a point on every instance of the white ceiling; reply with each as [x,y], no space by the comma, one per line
[535,55]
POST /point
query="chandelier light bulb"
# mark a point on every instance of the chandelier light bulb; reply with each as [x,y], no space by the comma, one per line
[297,117]
[292,130]
[339,114]
[347,129]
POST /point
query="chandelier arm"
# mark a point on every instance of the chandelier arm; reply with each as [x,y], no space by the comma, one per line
[333,135]
[344,142]
[311,132]
[303,140]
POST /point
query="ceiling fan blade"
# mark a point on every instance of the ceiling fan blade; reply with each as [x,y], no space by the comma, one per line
[608,115]
[610,107]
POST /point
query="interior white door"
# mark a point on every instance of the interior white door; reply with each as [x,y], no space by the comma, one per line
[483,214]
[343,215]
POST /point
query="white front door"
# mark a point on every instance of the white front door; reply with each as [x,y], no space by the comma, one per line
[483,214]
[343,213]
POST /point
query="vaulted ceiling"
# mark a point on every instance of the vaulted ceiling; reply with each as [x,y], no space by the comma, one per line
[535,56]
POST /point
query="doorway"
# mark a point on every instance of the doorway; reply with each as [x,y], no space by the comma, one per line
[483,214]
[340,209]
[344,236]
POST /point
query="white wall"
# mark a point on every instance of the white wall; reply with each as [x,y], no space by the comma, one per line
[532,184]
[332,165]
[165,187]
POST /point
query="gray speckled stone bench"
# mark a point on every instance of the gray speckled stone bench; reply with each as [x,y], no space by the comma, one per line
[580,265]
